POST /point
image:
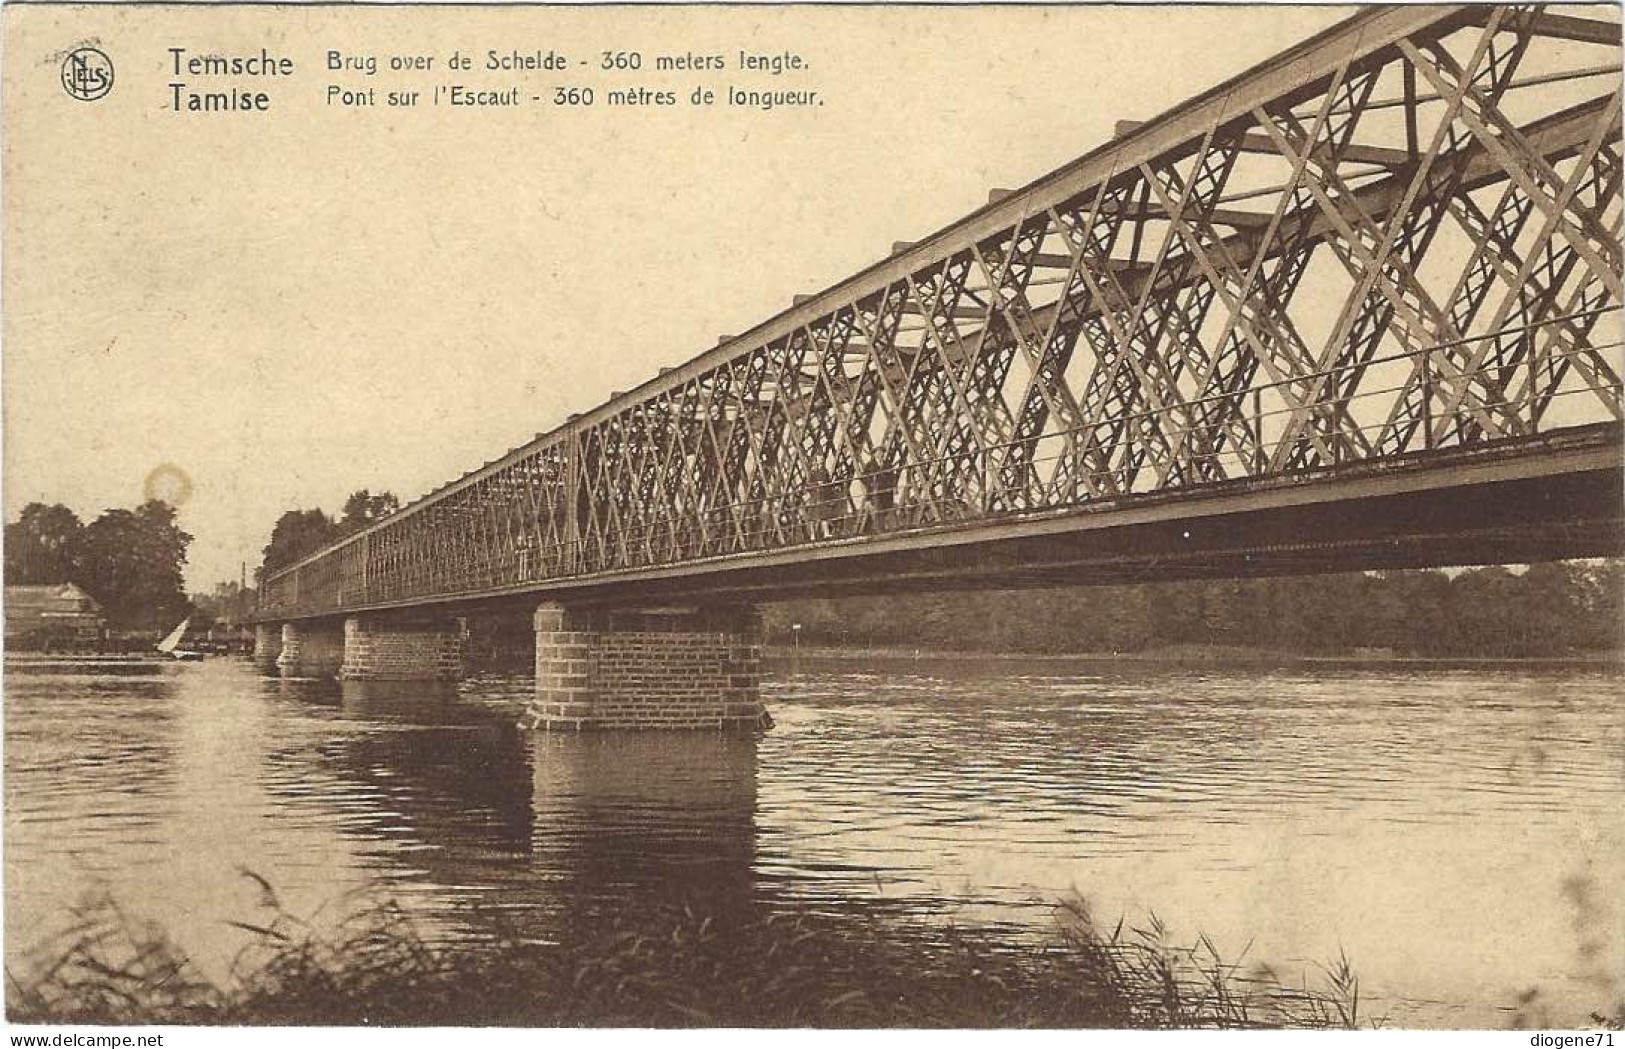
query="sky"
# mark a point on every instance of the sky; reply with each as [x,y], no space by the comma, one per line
[275,309]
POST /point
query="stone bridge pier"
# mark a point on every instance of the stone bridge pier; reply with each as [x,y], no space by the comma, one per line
[396,648]
[267,646]
[680,667]
[310,648]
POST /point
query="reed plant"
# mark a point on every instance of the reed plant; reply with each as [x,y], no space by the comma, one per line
[670,965]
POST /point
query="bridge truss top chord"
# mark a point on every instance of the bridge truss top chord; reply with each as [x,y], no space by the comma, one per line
[1376,245]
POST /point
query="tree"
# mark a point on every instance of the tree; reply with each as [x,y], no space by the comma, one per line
[42,545]
[131,561]
[1602,598]
[1487,617]
[297,534]
[1409,612]
[300,533]
[363,508]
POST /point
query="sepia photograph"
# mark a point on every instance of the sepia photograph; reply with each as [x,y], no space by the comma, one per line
[861,516]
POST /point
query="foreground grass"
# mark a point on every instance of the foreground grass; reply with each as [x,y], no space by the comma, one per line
[672,968]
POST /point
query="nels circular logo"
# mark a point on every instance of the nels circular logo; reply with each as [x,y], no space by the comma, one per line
[87,74]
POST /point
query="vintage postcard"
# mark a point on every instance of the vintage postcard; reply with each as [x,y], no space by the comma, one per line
[826,516]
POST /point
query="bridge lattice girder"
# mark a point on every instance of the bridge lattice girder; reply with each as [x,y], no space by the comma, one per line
[1414,270]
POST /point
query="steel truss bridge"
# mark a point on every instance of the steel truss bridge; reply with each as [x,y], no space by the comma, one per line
[1356,307]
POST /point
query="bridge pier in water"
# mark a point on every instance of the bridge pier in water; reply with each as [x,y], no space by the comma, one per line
[647,668]
[379,648]
[311,648]
[267,646]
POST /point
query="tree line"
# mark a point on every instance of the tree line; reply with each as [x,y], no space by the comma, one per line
[130,561]
[133,561]
[1547,610]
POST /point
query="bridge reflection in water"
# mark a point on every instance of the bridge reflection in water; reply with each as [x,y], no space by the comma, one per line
[539,825]
[634,813]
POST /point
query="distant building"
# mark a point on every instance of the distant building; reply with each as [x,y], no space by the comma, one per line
[53,615]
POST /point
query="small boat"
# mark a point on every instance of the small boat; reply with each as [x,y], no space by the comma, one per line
[169,646]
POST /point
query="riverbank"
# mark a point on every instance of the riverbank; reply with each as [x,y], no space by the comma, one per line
[1187,655]
[670,966]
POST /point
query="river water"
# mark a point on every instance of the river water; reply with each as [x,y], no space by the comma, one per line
[1457,833]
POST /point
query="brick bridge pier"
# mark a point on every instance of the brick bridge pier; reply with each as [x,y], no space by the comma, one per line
[661,667]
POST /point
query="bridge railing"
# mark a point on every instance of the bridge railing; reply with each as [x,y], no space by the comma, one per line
[1422,273]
